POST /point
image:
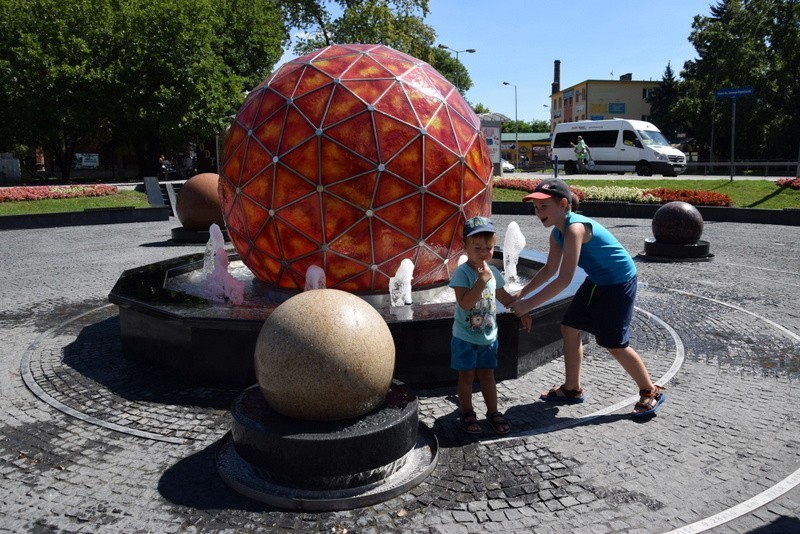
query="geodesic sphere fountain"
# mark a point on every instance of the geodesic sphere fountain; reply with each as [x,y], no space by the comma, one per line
[353,158]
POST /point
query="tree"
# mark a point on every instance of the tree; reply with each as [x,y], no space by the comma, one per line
[661,99]
[398,24]
[184,67]
[155,72]
[756,44]
[540,126]
[57,87]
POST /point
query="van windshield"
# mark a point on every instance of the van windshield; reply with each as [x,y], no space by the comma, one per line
[650,137]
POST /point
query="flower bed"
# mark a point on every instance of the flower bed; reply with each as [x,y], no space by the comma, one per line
[788,183]
[627,194]
[524,184]
[47,192]
[696,198]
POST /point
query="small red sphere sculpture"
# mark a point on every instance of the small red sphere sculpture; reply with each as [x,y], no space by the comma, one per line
[353,158]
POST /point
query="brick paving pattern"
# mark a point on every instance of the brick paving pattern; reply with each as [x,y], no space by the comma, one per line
[91,442]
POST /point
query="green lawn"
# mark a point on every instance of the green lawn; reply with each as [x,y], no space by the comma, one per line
[761,194]
[121,199]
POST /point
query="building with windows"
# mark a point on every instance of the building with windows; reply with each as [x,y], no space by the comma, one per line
[625,98]
[533,149]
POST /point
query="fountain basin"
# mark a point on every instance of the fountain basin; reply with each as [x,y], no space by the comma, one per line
[214,344]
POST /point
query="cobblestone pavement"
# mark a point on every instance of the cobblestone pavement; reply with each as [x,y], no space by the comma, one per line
[100,444]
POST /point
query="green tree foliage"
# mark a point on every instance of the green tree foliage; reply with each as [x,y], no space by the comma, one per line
[526,127]
[753,43]
[52,64]
[154,72]
[661,99]
[398,24]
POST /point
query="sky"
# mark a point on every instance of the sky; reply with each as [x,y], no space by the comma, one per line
[517,41]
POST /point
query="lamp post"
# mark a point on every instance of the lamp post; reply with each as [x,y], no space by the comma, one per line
[458,70]
[516,124]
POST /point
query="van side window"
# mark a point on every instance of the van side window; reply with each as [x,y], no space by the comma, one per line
[594,139]
[629,138]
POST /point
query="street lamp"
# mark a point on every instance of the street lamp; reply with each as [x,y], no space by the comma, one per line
[458,70]
[516,123]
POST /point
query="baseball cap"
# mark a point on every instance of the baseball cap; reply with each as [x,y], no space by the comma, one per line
[550,187]
[477,225]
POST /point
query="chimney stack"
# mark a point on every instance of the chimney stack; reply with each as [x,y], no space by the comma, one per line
[556,87]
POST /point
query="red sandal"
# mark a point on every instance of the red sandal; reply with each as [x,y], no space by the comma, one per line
[654,397]
[562,394]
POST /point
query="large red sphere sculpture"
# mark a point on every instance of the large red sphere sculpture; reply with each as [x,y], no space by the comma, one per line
[353,158]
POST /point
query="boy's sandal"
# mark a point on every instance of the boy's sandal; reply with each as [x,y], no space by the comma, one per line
[654,397]
[562,394]
[498,422]
[469,423]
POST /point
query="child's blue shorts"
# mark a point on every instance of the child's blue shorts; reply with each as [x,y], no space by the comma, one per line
[466,356]
[604,311]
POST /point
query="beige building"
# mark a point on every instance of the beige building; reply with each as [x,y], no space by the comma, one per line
[625,98]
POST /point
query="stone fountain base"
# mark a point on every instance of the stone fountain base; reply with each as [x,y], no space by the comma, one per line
[214,345]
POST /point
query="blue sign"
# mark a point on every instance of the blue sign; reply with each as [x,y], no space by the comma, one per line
[733,92]
[616,108]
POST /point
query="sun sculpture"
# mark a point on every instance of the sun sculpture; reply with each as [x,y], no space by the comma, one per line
[353,158]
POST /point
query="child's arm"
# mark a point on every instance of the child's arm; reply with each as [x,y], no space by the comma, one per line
[547,271]
[570,255]
[506,299]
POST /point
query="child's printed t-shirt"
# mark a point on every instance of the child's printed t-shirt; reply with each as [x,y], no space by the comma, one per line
[477,325]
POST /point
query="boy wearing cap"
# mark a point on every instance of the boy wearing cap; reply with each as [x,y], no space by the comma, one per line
[473,347]
[602,306]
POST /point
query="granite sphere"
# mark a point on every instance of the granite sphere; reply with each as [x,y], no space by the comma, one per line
[324,355]
[677,223]
[198,205]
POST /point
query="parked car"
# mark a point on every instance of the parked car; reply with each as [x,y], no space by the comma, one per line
[506,165]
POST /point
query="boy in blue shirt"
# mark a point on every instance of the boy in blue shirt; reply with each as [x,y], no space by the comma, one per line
[473,347]
[602,306]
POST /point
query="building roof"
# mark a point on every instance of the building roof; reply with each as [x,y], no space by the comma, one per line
[493,117]
[535,136]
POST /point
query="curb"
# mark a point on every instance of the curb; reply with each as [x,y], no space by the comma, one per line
[628,210]
[83,218]
[786,216]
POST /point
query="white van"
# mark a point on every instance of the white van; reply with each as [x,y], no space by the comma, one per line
[618,145]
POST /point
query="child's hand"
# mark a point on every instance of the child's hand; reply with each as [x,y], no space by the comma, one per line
[527,322]
[484,272]
[520,307]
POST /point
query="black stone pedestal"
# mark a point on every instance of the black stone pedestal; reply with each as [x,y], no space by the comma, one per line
[674,252]
[326,465]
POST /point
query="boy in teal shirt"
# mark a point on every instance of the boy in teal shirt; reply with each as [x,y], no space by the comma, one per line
[473,347]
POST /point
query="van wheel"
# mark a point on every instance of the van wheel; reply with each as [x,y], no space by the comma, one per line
[570,168]
[643,169]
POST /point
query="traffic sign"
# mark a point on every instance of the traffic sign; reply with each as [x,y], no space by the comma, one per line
[733,92]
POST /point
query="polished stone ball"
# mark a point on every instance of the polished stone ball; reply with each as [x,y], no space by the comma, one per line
[198,205]
[677,223]
[324,355]
[353,157]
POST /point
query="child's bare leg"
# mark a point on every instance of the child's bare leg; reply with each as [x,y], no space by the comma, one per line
[464,390]
[630,360]
[573,357]
[488,389]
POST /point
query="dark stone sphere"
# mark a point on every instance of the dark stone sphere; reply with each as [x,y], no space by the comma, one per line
[198,205]
[677,223]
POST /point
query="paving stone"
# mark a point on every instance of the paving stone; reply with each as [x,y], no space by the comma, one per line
[608,474]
